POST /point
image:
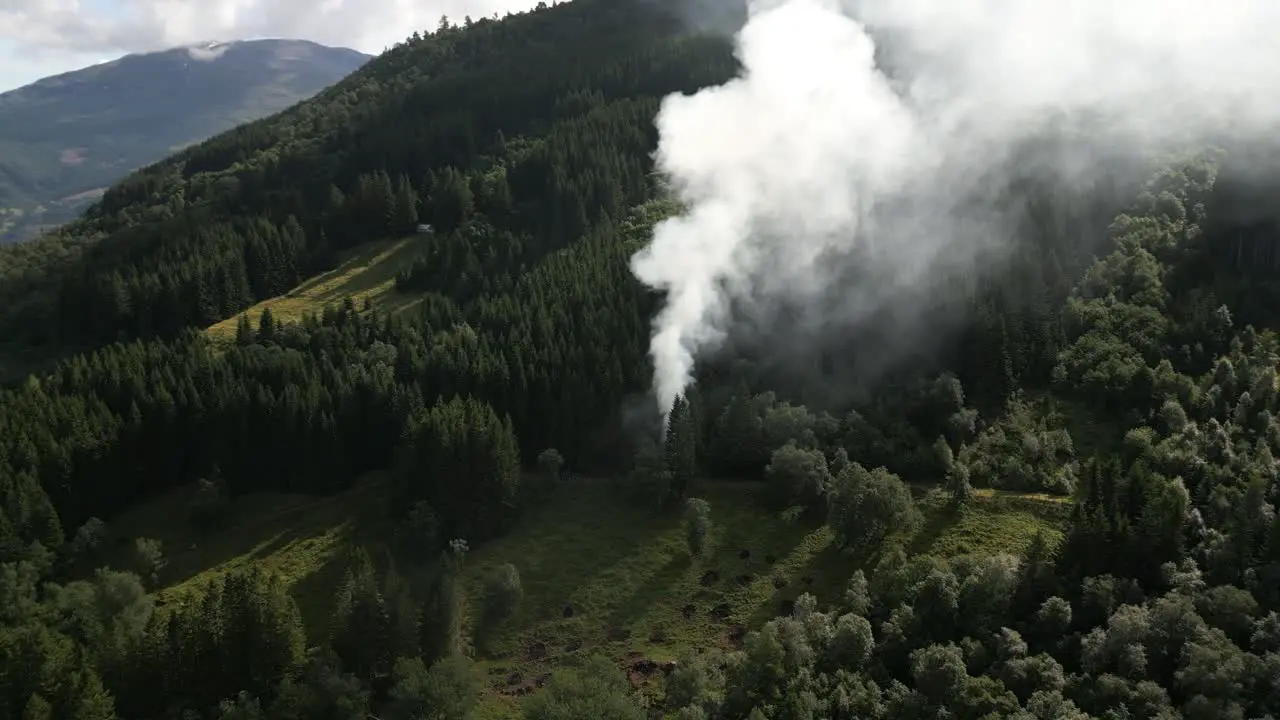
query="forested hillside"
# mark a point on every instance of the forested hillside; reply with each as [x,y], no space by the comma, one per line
[1095,370]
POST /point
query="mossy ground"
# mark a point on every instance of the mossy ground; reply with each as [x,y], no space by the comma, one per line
[995,522]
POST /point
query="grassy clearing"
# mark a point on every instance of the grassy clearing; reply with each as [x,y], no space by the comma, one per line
[996,522]
[636,595]
[601,572]
[369,273]
[301,538]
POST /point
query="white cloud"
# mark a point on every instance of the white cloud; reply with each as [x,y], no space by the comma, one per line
[41,37]
[18,68]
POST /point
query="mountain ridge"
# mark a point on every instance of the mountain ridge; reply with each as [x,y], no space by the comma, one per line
[67,137]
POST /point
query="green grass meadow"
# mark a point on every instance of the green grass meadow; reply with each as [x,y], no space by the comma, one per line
[368,273]
[601,572]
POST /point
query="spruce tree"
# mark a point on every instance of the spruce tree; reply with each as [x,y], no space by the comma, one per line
[244,331]
[266,327]
[361,623]
[680,448]
[405,214]
[955,473]
[440,626]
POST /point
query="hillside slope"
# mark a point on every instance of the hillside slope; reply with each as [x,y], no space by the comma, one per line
[65,139]
[430,104]
[635,593]
[435,503]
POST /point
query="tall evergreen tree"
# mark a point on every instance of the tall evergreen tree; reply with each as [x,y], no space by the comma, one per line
[680,448]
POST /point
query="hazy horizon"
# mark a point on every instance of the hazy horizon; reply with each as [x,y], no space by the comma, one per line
[43,38]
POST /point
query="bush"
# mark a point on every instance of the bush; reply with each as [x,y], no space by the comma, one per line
[697,523]
[211,504]
[88,542]
[148,558]
[868,505]
[798,476]
[502,593]
[550,463]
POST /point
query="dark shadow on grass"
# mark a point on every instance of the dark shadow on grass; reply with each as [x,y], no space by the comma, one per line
[376,272]
[315,593]
[225,544]
[582,530]
[759,540]
[363,257]
[396,302]
[256,538]
[825,576]
[654,591]
[938,517]
[1055,510]
[770,609]
[301,532]
[827,573]
[311,519]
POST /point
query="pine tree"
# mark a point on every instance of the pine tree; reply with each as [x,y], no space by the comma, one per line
[452,202]
[955,473]
[405,217]
[739,438]
[266,327]
[360,627]
[470,461]
[244,331]
[1272,553]
[89,699]
[440,626]
[276,626]
[37,709]
[403,614]
[680,448]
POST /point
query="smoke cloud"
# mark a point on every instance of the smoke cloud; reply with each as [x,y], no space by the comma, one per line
[875,139]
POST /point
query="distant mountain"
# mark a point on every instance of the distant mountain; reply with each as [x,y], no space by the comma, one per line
[64,139]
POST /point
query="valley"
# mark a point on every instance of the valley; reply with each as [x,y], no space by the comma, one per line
[119,116]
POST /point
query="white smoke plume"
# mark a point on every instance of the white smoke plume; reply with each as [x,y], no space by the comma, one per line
[817,152]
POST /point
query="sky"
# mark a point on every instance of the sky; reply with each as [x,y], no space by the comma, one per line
[39,38]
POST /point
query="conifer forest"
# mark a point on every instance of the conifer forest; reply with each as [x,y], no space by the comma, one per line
[1064,507]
